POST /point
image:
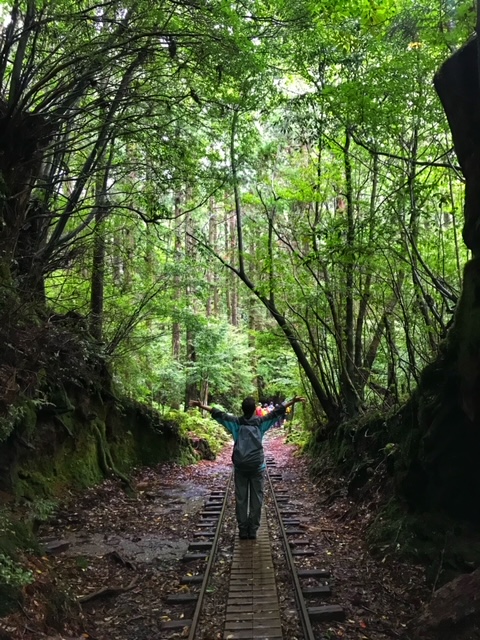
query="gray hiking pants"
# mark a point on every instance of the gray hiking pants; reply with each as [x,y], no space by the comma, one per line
[248,501]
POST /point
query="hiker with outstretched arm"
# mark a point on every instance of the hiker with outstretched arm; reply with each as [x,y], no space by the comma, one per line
[248,458]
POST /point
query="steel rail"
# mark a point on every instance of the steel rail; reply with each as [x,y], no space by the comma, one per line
[208,568]
[300,600]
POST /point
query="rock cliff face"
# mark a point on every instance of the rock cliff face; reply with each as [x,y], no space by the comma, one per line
[79,436]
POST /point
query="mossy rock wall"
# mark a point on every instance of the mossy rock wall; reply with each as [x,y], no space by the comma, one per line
[56,447]
[145,437]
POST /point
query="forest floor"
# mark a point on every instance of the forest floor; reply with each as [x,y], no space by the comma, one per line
[120,555]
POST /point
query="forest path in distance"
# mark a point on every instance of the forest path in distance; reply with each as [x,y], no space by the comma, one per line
[122,555]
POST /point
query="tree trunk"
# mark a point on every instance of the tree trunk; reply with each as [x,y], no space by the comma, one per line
[233,285]
[212,239]
[350,396]
[226,250]
[176,327]
[191,388]
[98,277]
[23,140]
[98,265]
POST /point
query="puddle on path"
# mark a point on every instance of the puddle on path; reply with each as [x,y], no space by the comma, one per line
[143,549]
[183,500]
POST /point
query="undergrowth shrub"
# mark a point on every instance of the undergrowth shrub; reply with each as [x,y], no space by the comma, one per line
[42,509]
[297,433]
[12,573]
[192,422]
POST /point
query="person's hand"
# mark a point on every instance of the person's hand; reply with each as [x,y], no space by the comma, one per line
[194,403]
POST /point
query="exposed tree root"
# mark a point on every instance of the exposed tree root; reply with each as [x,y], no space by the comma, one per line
[106,461]
[105,592]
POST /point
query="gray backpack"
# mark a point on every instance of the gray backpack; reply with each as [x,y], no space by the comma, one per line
[248,454]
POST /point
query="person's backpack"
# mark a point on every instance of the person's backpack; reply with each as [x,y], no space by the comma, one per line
[248,454]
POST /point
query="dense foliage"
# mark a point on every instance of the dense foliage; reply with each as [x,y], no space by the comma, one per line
[238,198]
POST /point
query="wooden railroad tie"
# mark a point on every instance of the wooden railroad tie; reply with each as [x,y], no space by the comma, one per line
[199,546]
[174,625]
[313,573]
[328,612]
[323,590]
[181,598]
[204,534]
[192,579]
[190,557]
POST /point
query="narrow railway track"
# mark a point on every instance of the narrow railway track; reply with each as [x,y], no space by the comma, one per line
[258,589]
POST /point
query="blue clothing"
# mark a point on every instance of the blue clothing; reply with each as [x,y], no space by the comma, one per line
[232,423]
[249,487]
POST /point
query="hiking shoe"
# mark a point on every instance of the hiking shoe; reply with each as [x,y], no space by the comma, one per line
[252,536]
[243,536]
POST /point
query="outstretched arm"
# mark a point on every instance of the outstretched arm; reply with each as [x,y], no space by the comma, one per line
[271,418]
[197,403]
[225,419]
[294,400]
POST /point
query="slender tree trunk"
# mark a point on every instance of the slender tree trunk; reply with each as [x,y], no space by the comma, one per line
[254,325]
[98,278]
[212,229]
[204,392]
[233,279]
[98,264]
[216,209]
[455,234]
[191,388]
[16,84]
[365,297]
[228,276]
[176,327]
[413,231]
[348,373]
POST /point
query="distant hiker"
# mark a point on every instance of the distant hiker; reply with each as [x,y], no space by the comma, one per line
[258,410]
[248,458]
